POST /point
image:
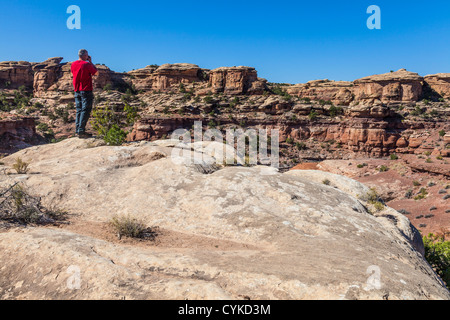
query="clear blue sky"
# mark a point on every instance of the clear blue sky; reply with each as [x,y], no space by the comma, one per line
[286,41]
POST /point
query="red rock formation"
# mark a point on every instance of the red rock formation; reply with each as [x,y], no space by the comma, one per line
[14,74]
[16,133]
[236,80]
[394,87]
[46,74]
[165,77]
[440,83]
[338,92]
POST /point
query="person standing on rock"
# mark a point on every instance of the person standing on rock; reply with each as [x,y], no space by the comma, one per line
[82,70]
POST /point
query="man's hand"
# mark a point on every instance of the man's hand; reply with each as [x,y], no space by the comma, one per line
[90,59]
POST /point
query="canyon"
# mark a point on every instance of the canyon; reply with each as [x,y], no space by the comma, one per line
[398,114]
[228,231]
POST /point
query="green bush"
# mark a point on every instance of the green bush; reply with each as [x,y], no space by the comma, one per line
[107,87]
[422,194]
[312,115]
[208,99]
[301,146]
[115,136]
[21,166]
[394,157]
[335,111]
[108,124]
[131,227]
[42,127]
[437,253]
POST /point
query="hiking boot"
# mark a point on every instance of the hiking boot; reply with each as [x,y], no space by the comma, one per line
[84,135]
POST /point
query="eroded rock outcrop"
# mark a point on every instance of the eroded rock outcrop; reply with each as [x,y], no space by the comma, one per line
[401,86]
[165,77]
[236,80]
[338,92]
[247,232]
[14,74]
[440,83]
[16,133]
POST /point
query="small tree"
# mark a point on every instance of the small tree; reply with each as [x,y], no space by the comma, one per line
[108,124]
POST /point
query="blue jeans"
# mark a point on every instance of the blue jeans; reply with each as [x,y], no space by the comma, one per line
[83,103]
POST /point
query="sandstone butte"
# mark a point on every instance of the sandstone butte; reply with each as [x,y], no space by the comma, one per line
[234,233]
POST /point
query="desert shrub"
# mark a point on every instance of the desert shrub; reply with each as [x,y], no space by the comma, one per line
[325,102]
[335,111]
[289,140]
[107,87]
[437,253]
[131,114]
[234,102]
[42,127]
[326,182]
[131,227]
[21,166]
[300,145]
[63,113]
[208,99]
[21,98]
[441,133]
[416,183]
[109,124]
[409,194]
[361,165]
[394,157]
[383,168]
[372,196]
[305,100]
[212,124]
[115,136]
[379,206]
[405,212]
[312,115]
[280,92]
[166,110]
[422,194]
[18,206]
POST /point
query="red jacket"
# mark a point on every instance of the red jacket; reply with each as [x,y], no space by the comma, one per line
[82,72]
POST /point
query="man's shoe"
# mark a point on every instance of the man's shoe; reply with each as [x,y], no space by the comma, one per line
[84,135]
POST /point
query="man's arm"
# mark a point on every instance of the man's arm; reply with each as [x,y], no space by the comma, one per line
[93,68]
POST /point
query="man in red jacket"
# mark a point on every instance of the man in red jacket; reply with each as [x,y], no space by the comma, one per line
[82,71]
